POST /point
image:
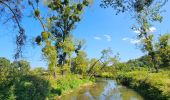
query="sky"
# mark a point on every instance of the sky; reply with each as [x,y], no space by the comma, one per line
[100,28]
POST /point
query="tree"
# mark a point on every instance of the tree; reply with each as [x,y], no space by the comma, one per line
[163,50]
[21,67]
[80,63]
[17,82]
[61,23]
[4,69]
[15,8]
[49,51]
[144,12]
[68,14]
[103,60]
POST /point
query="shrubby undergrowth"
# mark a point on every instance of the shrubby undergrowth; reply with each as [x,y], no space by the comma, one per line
[67,83]
[153,86]
[19,82]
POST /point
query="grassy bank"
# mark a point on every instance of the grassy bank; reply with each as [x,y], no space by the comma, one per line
[64,84]
[153,86]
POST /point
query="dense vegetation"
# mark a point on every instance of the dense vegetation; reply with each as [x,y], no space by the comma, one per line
[19,81]
[149,74]
[150,85]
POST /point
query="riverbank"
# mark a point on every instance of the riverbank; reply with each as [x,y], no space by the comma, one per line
[152,86]
[65,84]
[69,92]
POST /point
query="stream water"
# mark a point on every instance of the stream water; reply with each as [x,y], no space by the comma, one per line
[104,89]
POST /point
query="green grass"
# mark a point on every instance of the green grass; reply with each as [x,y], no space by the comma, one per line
[64,84]
[153,86]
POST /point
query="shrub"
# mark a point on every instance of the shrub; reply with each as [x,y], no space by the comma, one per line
[153,86]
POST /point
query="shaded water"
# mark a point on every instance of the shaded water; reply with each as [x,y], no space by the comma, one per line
[103,90]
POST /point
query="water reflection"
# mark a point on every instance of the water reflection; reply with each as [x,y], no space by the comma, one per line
[103,90]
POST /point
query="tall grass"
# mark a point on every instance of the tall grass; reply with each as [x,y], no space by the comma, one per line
[153,86]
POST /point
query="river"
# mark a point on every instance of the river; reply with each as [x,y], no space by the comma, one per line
[104,89]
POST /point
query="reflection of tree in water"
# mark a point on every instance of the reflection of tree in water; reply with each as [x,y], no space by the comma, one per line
[103,90]
[128,94]
[111,91]
[96,90]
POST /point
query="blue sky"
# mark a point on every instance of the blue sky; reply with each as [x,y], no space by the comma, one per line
[101,29]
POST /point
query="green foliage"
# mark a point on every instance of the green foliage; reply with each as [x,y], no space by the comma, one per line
[37,13]
[144,12]
[4,69]
[163,50]
[17,83]
[40,71]
[58,41]
[62,23]
[80,63]
[50,54]
[12,93]
[68,45]
[32,88]
[150,85]
[66,83]
[21,67]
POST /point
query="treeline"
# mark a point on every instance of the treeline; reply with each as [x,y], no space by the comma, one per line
[162,52]
[19,82]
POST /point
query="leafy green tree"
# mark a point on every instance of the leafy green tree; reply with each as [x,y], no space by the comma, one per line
[144,12]
[163,50]
[49,51]
[40,71]
[58,40]
[103,60]
[4,69]
[21,67]
[62,23]
[32,87]
[80,63]
[95,64]
[18,83]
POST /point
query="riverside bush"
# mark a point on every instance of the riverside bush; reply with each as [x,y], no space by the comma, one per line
[66,83]
[153,86]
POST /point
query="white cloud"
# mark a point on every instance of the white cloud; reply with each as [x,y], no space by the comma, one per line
[97,38]
[104,37]
[152,29]
[108,37]
[132,41]
[137,31]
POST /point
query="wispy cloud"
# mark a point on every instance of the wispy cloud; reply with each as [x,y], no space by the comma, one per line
[136,31]
[152,29]
[105,37]
[132,41]
[97,38]
[108,37]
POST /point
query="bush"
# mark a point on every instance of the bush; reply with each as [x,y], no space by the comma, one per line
[32,88]
[66,83]
[153,86]
[17,83]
